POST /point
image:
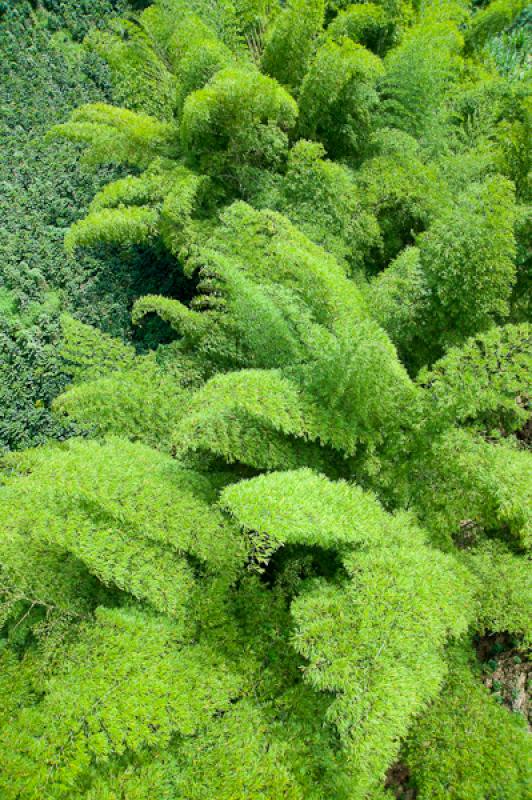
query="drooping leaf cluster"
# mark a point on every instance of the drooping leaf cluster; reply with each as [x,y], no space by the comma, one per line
[261,568]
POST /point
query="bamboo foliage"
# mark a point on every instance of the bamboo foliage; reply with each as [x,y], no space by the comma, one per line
[262,564]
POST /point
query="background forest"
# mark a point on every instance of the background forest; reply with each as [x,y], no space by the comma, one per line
[265,358]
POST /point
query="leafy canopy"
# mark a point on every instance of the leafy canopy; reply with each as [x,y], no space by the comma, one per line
[263,563]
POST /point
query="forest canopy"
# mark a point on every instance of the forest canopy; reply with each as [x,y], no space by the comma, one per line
[265,406]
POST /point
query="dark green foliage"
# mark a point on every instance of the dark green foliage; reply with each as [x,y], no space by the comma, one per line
[296,492]
[498,15]
[44,74]
[31,373]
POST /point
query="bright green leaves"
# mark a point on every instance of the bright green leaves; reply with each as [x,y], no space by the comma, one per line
[264,288]
[165,54]
[257,325]
[419,73]
[131,191]
[376,641]
[504,590]
[39,582]
[292,42]
[240,113]
[377,644]
[468,259]
[179,317]
[399,295]
[127,684]
[264,275]
[178,224]
[468,480]
[338,97]
[459,279]
[403,192]
[163,179]
[321,198]
[486,380]
[200,100]
[232,414]
[125,571]
[141,78]
[142,403]
[360,658]
[118,136]
[118,226]
[467,745]
[361,390]
[147,570]
[196,54]
[238,755]
[88,353]
[273,299]
[130,514]
[245,416]
[302,507]
[274,252]
[135,210]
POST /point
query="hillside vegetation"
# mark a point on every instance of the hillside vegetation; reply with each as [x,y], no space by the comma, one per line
[265,359]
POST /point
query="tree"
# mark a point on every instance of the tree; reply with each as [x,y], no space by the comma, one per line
[338,97]
[259,559]
[292,42]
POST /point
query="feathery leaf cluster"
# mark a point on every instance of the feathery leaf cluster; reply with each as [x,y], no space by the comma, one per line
[261,569]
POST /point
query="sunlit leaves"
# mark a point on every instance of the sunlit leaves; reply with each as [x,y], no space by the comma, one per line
[338,97]
[244,576]
[122,687]
[292,41]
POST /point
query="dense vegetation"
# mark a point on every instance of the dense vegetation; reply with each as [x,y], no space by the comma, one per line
[45,73]
[255,543]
